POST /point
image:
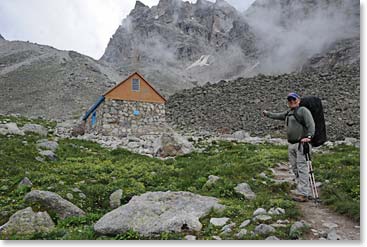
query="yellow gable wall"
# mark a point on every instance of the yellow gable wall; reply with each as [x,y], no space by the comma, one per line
[124,92]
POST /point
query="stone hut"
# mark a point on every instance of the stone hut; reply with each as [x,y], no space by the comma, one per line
[131,107]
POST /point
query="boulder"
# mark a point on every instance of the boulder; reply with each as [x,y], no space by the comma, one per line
[245,223]
[48,154]
[171,144]
[46,144]
[155,212]
[54,203]
[262,218]
[10,129]
[25,182]
[259,211]
[241,233]
[245,190]
[219,221]
[26,221]
[35,128]
[264,229]
[276,211]
[78,129]
[227,228]
[296,229]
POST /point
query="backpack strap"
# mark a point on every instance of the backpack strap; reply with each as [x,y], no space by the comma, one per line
[296,116]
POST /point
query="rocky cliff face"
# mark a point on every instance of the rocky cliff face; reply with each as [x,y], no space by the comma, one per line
[1,37]
[40,81]
[178,44]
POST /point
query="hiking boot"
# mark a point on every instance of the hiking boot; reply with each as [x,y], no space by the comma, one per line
[300,198]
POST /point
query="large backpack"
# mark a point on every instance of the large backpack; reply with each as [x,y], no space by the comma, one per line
[314,104]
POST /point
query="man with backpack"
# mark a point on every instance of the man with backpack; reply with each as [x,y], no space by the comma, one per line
[300,131]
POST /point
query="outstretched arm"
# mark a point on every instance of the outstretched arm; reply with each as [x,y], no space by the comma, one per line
[277,116]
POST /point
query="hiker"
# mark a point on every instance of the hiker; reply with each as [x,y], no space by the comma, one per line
[297,135]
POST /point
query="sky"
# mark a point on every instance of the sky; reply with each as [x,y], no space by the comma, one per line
[85,26]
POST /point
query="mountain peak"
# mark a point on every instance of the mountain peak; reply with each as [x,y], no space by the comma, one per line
[1,37]
[139,4]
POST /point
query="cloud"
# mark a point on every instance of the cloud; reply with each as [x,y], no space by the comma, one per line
[81,25]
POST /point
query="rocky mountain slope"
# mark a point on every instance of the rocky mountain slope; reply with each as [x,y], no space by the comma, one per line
[229,106]
[40,81]
[178,44]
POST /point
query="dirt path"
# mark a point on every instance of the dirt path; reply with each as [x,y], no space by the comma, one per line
[323,221]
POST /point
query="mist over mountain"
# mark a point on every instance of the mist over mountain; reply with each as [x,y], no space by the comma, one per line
[178,44]
[288,33]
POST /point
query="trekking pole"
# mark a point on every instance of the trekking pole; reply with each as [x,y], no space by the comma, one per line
[311,174]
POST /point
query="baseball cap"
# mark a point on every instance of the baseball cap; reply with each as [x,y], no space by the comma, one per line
[293,95]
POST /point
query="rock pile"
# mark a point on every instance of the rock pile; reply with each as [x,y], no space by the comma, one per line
[229,106]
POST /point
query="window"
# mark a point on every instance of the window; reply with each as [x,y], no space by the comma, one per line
[136,85]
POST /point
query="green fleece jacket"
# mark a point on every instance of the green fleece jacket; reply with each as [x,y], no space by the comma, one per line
[295,130]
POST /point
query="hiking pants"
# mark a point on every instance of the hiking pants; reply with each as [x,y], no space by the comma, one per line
[298,163]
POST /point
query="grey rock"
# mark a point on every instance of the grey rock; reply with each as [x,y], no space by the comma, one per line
[171,144]
[212,179]
[276,211]
[264,229]
[240,135]
[190,237]
[272,238]
[228,228]
[241,233]
[25,182]
[154,212]
[245,190]
[259,211]
[46,144]
[10,129]
[296,228]
[49,154]
[218,221]
[53,203]
[115,199]
[35,128]
[332,235]
[26,221]
[245,223]
[217,238]
[262,218]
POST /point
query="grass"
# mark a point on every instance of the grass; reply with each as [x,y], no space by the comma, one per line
[98,172]
[341,168]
